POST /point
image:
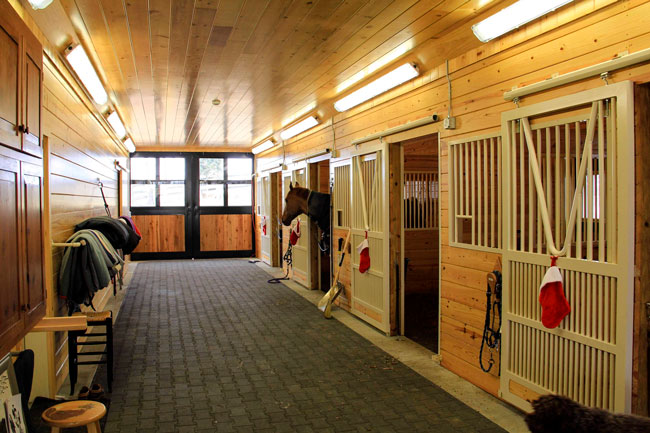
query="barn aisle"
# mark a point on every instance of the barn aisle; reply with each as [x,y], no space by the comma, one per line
[208,345]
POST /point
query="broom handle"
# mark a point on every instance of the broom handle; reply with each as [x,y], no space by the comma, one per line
[345,248]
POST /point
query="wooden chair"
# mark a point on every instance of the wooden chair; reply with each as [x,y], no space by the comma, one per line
[101,318]
[76,413]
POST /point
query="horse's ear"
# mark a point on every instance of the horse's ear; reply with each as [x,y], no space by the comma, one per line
[297,184]
[290,186]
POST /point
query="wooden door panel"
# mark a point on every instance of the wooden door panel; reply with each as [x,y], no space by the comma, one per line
[32,136]
[11,323]
[9,88]
[33,222]
[226,232]
[160,233]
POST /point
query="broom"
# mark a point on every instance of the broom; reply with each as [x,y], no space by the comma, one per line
[325,304]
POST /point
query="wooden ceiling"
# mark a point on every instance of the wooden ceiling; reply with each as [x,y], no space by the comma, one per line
[265,60]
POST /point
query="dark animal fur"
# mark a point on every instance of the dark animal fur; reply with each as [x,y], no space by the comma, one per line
[557,414]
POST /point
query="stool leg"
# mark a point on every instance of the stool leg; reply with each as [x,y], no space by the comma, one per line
[94,427]
[55,430]
[109,352]
[72,359]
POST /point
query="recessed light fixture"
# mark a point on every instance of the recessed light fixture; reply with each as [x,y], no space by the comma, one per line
[299,127]
[128,143]
[265,145]
[515,15]
[116,123]
[39,4]
[216,101]
[81,65]
[382,84]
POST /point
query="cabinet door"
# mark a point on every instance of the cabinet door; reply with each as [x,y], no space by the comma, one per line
[9,85]
[32,82]
[32,190]
[11,316]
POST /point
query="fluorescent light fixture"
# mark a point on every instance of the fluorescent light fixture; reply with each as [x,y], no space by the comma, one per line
[266,145]
[515,15]
[128,143]
[376,65]
[39,4]
[116,123]
[299,127]
[86,72]
[382,84]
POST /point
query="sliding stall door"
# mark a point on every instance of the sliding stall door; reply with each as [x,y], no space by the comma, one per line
[302,250]
[370,290]
[588,356]
[264,211]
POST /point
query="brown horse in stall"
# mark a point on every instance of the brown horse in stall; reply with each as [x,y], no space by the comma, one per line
[316,205]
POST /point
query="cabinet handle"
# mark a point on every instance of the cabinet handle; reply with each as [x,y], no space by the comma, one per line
[29,307]
[24,308]
[21,128]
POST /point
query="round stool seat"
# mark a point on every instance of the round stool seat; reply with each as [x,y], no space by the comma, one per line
[75,414]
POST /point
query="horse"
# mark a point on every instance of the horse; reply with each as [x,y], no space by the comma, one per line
[316,205]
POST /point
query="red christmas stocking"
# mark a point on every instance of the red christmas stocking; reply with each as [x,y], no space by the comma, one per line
[264,225]
[295,234]
[364,255]
[555,307]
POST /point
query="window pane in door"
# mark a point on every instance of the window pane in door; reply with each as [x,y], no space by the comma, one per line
[239,195]
[172,195]
[211,195]
[211,169]
[143,168]
[172,168]
[143,195]
[240,168]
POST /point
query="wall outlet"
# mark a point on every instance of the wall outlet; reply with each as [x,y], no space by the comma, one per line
[449,123]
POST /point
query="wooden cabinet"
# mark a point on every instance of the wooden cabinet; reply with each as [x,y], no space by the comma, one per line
[21,84]
[22,288]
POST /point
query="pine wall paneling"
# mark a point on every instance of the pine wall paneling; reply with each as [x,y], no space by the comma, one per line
[584,34]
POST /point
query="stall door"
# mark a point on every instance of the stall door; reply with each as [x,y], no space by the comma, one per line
[582,143]
[264,212]
[369,206]
[302,249]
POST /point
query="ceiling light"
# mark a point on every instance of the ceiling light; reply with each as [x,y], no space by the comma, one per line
[299,127]
[128,143]
[515,15]
[376,65]
[39,4]
[392,79]
[86,72]
[266,145]
[216,101]
[116,123]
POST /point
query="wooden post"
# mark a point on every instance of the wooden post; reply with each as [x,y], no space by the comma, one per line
[395,212]
[640,382]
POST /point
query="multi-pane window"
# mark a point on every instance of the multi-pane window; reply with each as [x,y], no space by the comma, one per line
[161,181]
[157,181]
[225,182]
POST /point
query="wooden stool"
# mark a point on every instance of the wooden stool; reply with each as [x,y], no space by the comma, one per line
[77,413]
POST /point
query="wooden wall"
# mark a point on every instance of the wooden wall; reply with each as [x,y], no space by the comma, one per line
[81,150]
[585,33]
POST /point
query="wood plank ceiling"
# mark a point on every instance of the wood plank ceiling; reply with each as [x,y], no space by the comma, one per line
[267,61]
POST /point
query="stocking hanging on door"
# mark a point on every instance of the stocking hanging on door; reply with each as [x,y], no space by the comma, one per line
[263,224]
[364,255]
[555,307]
[295,234]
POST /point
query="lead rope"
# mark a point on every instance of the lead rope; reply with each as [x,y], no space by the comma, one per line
[492,332]
[288,259]
[101,189]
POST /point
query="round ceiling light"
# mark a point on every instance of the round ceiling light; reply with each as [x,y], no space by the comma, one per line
[216,101]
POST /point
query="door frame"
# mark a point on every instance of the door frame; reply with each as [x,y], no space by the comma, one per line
[192,211]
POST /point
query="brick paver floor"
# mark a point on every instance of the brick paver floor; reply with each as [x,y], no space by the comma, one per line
[209,345]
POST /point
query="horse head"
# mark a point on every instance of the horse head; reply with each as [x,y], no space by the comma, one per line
[295,203]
